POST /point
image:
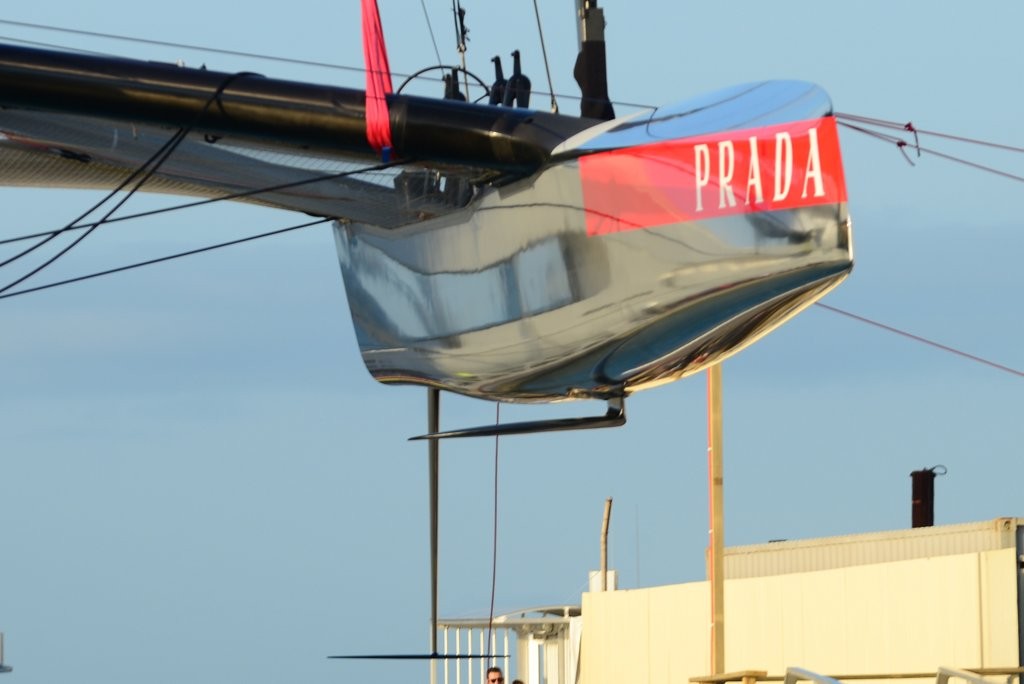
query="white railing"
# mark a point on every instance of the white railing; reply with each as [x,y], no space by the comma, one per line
[533,645]
[795,674]
[471,643]
[942,676]
[944,673]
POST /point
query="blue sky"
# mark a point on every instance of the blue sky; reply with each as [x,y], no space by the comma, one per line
[201,481]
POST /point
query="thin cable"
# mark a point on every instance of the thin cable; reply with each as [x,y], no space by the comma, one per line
[875,134]
[184,46]
[494,535]
[250,55]
[973,165]
[52,46]
[212,200]
[901,143]
[76,241]
[430,28]
[544,52]
[882,123]
[156,160]
[923,340]
[106,198]
[158,260]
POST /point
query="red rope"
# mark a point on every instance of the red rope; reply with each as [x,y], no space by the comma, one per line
[378,80]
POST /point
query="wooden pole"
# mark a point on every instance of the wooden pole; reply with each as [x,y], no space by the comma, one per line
[604,543]
[716,565]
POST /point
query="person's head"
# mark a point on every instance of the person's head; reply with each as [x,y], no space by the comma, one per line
[494,676]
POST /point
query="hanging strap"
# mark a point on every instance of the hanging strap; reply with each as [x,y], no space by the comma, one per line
[378,80]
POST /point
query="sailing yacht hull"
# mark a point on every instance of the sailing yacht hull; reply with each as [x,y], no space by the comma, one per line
[600,275]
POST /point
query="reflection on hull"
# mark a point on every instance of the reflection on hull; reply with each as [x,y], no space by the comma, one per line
[614,268]
[516,301]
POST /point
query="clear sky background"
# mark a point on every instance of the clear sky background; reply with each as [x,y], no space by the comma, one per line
[199,481]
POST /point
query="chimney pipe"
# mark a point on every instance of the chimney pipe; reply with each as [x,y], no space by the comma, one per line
[922,496]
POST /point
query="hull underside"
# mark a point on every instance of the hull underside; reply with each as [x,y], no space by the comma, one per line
[513,300]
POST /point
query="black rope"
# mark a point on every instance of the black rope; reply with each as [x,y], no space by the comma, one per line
[147,170]
[198,203]
[246,193]
[17,281]
[150,262]
[51,235]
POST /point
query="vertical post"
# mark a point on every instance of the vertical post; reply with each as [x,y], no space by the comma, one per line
[604,543]
[433,426]
[716,565]
[579,24]
[484,663]
[3,668]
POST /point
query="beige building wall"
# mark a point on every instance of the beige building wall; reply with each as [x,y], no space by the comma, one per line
[905,616]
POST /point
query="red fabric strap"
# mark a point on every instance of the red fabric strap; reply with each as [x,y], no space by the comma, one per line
[378,78]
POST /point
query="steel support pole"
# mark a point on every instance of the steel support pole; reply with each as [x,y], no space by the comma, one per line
[433,426]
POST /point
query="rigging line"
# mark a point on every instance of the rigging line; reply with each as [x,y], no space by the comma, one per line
[973,165]
[95,206]
[52,46]
[903,127]
[887,137]
[156,160]
[458,15]
[900,142]
[76,241]
[461,38]
[430,28]
[222,198]
[883,123]
[923,340]
[238,53]
[494,536]
[185,46]
[178,255]
[544,52]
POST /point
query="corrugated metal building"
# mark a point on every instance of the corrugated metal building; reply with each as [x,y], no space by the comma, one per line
[825,553]
[888,602]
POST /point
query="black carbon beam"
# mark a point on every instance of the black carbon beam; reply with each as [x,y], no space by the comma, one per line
[285,114]
[615,416]
[416,656]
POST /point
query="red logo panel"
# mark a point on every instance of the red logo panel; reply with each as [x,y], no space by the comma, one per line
[785,166]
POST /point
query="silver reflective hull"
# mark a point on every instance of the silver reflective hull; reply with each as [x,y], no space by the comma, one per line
[527,294]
